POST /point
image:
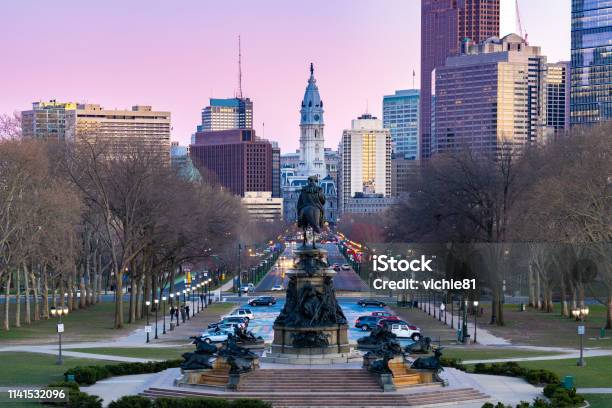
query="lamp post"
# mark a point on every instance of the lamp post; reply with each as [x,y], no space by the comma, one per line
[164,314]
[199,297]
[185,300]
[208,288]
[59,312]
[178,307]
[156,301]
[580,314]
[464,328]
[239,270]
[205,293]
[147,329]
[171,307]
[192,303]
[442,309]
[452,312]
[475,318]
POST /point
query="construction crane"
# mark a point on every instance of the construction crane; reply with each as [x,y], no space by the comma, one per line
[519,25]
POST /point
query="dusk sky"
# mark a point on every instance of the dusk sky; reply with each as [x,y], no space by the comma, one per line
[175,55]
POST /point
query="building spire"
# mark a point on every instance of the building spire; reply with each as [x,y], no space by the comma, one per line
[239,69]
[311,69]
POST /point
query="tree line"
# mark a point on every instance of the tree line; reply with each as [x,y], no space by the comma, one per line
[78,218]
[537,219]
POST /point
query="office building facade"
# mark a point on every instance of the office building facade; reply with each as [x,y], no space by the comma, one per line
[121,131]
[444,25]
[262,206]
[591,64]
[226,114]
[558,96]
[401,117]
[365,161]
[239,161]
[493,94]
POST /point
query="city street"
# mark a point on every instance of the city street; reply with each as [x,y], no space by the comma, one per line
[345,280]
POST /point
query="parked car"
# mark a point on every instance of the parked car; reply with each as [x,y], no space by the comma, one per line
[382,314]
[277,288]
[247,288]
[371,302]
[215,335]
[390,320]
[247,313]
[366,322]
[406,331]
[228,325]
[263,301]
[346,267]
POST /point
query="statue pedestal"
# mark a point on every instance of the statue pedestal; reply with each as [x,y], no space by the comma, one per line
[312,324]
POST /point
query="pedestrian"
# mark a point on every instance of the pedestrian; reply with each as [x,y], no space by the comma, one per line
[171,313]
[183,313]
[176,313]
[187,310]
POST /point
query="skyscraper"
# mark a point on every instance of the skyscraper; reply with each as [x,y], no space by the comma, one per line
[312,140]
[238,160]
[591,72]
[401,117]
[226,114]
[365,169]
[558,96]
[444,24]
[492,94]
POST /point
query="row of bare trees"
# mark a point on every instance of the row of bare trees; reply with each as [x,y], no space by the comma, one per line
[538,218]
[79,218]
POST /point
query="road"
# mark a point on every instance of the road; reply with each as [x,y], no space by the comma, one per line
[345,280]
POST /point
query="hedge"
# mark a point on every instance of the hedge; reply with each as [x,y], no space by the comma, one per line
[512,369]
[144,402]
[90,374]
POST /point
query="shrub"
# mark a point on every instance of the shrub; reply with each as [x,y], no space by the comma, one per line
[452,362]
[70,385]
[206,403]
[90,374]
[250,403]
[77,399]
[132,401]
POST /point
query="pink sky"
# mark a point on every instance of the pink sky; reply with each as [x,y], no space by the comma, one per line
[176,55]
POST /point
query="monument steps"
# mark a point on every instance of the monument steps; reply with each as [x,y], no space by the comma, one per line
[338,398]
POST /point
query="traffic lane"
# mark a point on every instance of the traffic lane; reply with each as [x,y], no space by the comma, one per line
[276,275]
[263,322]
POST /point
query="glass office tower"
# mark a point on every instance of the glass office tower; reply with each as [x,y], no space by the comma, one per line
[591,70]
[401,117]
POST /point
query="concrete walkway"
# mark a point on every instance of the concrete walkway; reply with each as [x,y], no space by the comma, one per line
[483,336]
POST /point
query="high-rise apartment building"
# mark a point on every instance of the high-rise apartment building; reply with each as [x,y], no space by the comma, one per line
[444,25]
[591,71]
[119,130]
[238,160]
[401,117]
[226,114]
[365,157]
[276,172]
[492,94]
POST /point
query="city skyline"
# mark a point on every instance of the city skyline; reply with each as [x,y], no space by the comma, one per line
[99,59]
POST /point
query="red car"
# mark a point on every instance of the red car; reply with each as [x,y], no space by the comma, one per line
[386,315]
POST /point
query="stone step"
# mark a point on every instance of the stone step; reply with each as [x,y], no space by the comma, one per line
[335,399]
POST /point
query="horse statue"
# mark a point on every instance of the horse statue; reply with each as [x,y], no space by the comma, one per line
[310,208]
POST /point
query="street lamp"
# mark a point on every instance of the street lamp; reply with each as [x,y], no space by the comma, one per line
[192,304]
[164,314]
[442,309]
[147,328]
[185,300]
[475,318]
[59,312]
[156,301]
[178,307]
[208,299]
[171,307]
[580,314]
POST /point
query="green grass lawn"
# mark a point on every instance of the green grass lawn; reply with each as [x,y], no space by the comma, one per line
[98,319]
[597,373]
[165,353]
[491,353]
[37,369]
[599,400]
[548,329]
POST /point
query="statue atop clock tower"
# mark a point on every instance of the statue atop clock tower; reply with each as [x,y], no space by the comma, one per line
[312,142]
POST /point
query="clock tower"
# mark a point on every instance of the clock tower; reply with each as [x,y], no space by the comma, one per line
[312,150]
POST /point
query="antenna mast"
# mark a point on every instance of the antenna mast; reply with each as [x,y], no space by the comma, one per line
[239,69]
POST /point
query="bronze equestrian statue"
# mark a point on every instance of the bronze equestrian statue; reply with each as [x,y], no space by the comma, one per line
[310,208]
